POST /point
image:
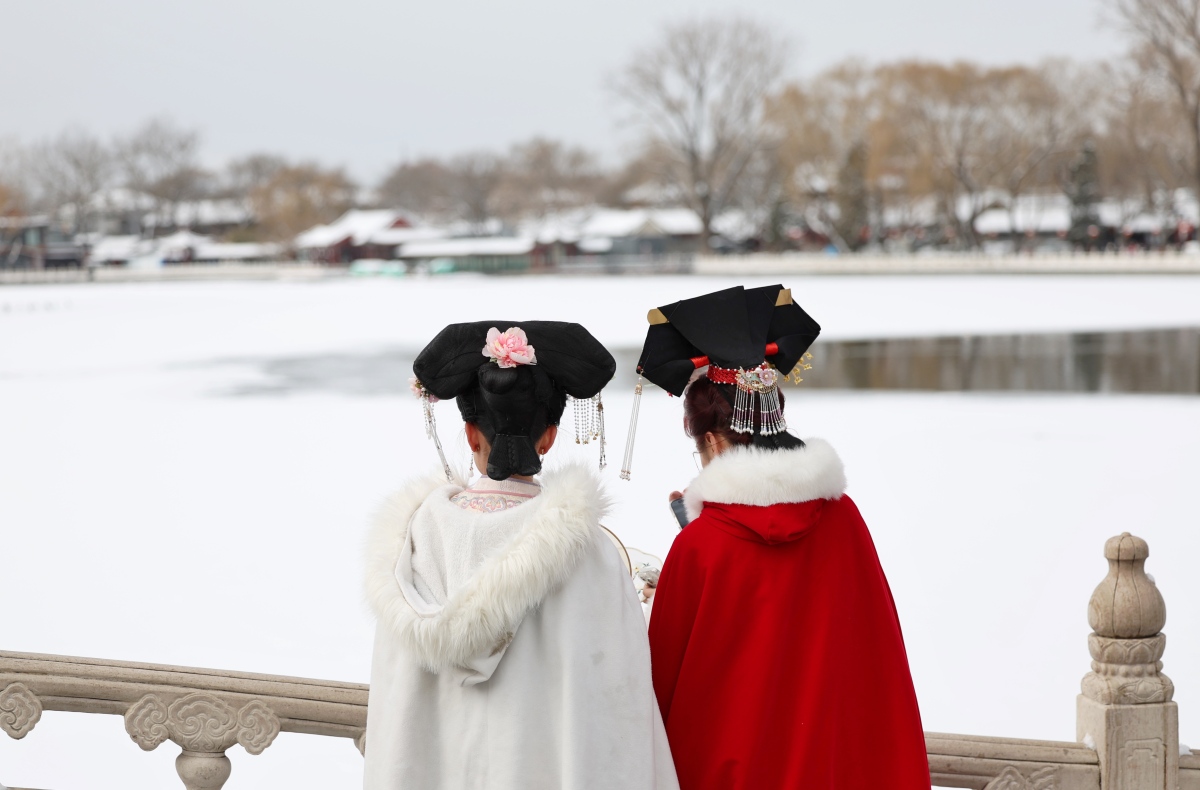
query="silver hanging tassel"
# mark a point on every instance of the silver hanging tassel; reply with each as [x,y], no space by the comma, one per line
[772,413]
[633,419]
[743,409]
[431,432]
[599,412]
[580,428]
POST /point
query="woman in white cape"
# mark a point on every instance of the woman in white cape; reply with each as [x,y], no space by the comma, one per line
[510,649]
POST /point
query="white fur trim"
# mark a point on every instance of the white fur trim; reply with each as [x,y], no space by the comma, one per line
[563,522]
[754,476]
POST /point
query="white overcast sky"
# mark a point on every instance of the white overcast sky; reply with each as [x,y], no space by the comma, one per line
[365,83]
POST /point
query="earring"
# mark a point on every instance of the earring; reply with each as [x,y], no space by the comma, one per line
[471,467]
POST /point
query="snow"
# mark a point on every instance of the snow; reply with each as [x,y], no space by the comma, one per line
[205,212]
[458,248]
[599,224]
[389,236]
[357,225]
[241,251]
[186,471]
[617,223]
[116,248]
[179,244]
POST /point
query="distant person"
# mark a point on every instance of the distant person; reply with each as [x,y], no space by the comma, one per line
[777,653]
[511,650]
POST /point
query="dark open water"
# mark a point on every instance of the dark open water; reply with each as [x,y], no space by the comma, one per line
[1153,361]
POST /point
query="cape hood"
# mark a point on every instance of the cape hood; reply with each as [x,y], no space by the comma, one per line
[761,478]
[474,626]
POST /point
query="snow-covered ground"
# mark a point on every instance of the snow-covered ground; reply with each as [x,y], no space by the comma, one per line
[186,471]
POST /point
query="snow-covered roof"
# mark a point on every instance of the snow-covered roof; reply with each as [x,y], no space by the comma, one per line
[595,246]
[235,252]
[116,248]
[620,223]
[676,221]
[461,248]
[356,226]
[122,199]
[390,236]
[203,212]
[1029,213]
[611,223]
[178,244]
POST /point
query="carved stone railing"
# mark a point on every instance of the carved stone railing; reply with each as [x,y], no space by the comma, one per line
[1127,725]
[204,712]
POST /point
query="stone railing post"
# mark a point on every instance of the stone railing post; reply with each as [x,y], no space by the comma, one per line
[1125,709]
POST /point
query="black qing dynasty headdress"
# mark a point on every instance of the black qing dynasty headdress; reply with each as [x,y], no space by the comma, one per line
[554,360]
[745,337]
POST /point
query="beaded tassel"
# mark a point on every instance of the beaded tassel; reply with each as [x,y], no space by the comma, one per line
[743,410]
[431,432]
[633,418]
[589,424]
[599,412]
[772,413]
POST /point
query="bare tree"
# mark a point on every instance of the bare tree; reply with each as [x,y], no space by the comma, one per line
[978,137]
[700,93]
[160,159]
[545,176]
[424,186]
[475,180]
[1167,33]
[297,197]
[13,199]
[68,174]
[1144,149]
[1041,114]
[246,174]
[825,149]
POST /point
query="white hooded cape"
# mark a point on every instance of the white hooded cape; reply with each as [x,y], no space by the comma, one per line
[521,664]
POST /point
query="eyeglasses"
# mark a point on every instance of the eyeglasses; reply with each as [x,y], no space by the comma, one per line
[697,460]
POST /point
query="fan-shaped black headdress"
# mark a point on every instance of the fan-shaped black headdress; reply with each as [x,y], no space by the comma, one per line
[513,397]
[747,337]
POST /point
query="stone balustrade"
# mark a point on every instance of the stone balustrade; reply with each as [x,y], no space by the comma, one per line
[1127,725]
[203,711]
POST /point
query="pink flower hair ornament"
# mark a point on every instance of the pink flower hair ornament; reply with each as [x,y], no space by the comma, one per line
[510,348]
[419,391]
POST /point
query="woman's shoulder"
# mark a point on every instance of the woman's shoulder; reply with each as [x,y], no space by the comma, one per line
[398,507]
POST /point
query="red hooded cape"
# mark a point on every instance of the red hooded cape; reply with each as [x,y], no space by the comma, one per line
[777,655]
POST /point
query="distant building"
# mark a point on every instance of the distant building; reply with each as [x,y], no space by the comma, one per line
[352,236]
[37,243]
[481,254]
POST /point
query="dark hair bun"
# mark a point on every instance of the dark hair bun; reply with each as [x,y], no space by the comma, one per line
[513,407]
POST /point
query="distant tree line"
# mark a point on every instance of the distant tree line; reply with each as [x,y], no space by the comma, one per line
[847,152]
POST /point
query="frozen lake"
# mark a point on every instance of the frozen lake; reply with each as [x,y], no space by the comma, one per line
[203,453]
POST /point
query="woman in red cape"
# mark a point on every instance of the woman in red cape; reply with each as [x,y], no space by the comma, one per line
[775,646]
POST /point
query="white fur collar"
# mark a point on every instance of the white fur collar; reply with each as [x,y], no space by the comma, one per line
[481,617]
[752,476]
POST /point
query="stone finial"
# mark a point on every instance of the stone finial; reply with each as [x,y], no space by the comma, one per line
[1127,613]
[1125,710]
[1126,605]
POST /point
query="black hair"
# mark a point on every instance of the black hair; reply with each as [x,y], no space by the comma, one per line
[708,408]
[512,407]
